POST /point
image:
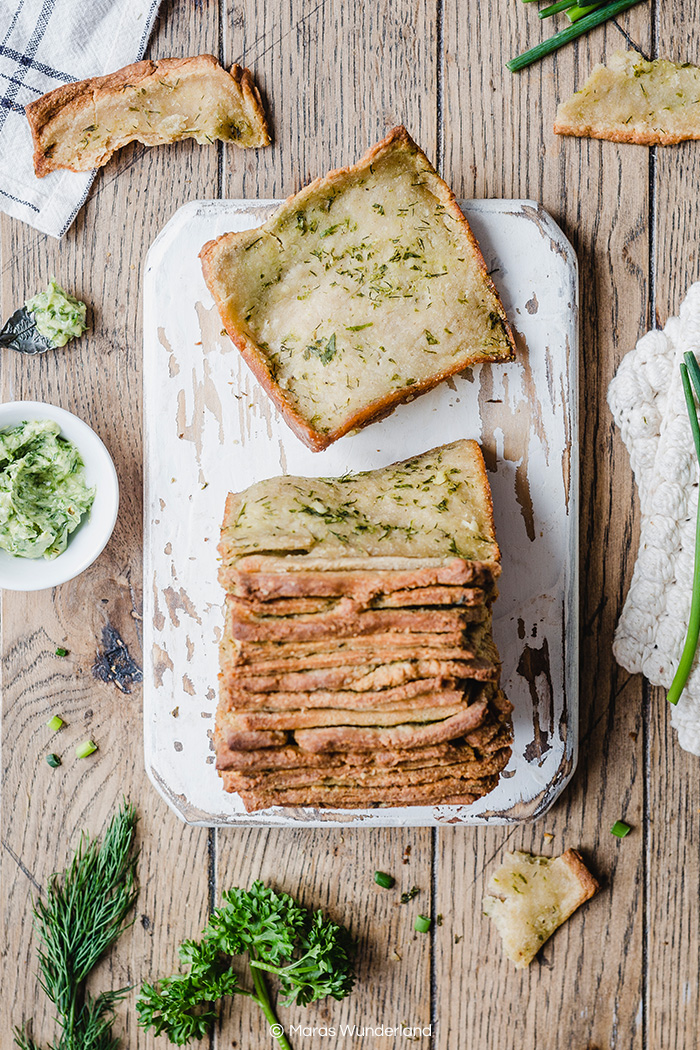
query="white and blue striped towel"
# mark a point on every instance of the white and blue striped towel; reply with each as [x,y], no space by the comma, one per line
[45,43]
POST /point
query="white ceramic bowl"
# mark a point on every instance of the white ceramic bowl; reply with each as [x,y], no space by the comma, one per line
[90,538]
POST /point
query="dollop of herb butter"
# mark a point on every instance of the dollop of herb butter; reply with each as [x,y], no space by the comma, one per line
[43,493]
[58,316]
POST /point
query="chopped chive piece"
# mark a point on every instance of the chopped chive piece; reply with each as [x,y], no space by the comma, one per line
[55,723]
[690,370]
[595,18]
[620,829]
[554,9]
[422,923]
[578,11]
[61,651]
[86,748]
[382,879]
[53,760]
[409,894]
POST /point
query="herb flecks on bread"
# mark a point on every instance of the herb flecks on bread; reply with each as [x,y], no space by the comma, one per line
[361,291]
[79,126]
[634,100]
[530,897]
[436,505]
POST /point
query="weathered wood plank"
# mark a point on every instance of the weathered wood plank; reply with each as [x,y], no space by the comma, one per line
[99,379]
[586,987]
[673,898]
[335,78]
[334,870]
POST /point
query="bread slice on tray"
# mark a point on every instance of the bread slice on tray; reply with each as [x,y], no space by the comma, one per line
[363,290]
[436,506]
[79,126]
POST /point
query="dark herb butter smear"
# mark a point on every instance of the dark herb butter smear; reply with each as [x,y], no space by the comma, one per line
[43,493]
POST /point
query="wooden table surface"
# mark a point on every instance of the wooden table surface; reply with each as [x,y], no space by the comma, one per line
[624,971]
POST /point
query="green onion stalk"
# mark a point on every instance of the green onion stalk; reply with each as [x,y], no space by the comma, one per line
[690,370]
[583,25]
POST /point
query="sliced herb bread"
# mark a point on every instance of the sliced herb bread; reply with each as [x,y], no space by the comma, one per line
[360,292]
[436,505]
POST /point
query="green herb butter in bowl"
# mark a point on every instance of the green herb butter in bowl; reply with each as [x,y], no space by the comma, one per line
[59,496]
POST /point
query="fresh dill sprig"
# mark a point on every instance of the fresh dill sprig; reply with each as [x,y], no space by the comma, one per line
[82,915]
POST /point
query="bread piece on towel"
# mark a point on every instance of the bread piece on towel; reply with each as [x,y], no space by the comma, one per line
[79,126]
[529,897]
[633,100]
[362,291]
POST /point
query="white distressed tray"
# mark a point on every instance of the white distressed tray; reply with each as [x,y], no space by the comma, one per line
[210,428]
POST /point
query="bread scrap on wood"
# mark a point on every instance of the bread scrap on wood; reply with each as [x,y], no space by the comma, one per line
[530,897]
[634,100]
[363,290]
[79,126]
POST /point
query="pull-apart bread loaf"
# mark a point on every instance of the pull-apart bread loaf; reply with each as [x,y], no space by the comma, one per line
[352,686]
[635,100]
[79,126]
[360,292]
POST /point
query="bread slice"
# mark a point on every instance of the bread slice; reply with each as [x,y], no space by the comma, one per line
[634,100]
[362,291]
[292,757]
[531,896]
[437,504]
[79,126]
[446,791]
[268,576]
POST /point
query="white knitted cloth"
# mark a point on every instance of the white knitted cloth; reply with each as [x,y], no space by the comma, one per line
[647,403]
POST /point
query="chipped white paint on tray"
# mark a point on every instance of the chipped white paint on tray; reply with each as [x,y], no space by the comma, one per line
[210,428]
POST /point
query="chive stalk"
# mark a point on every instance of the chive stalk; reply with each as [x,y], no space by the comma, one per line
[554,9]
[620,829]
[688,370]
[61,651]
[53,760]
[382,879]
[579,11]
[595,18]
[55,723]
[86,748]
[422,923]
